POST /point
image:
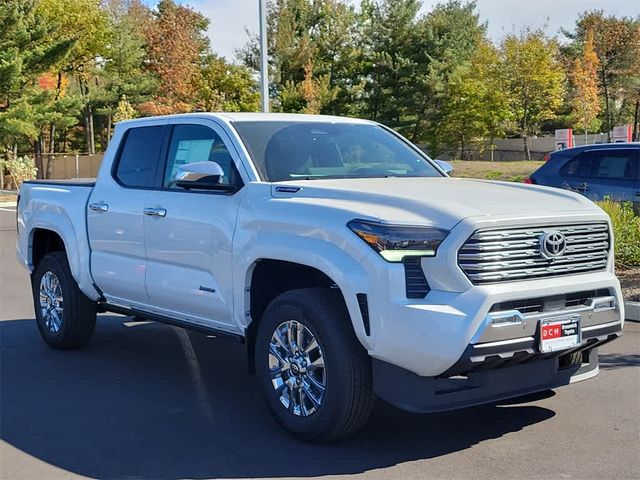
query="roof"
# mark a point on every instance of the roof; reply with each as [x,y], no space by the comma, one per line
[256,117]
[286,117]
[598,146]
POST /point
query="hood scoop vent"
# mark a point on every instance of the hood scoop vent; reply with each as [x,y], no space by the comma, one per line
[285,191]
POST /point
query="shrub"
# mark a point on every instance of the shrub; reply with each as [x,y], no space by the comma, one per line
[493,174]
[626,231]
[20,169]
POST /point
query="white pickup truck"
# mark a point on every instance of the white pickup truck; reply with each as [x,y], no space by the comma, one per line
[348,262]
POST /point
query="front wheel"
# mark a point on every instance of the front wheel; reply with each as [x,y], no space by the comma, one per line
[314,373]
[66,317]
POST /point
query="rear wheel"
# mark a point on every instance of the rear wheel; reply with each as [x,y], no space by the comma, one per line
[66,318]
[315,375]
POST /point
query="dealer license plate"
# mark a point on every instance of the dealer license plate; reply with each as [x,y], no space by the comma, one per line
[560,334]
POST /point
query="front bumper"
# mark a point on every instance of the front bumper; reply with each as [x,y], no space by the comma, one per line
[451,333]
[510,337]
[501,357]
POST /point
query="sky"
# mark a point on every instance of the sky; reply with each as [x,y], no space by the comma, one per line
[230,19]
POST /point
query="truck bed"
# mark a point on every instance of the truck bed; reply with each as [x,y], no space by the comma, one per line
[59,206]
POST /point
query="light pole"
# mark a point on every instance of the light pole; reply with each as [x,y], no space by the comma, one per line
[264,66]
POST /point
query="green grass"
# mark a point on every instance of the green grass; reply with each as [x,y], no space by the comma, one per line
[509,171]
[626,232]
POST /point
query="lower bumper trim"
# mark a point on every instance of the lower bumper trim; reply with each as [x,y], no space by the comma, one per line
[413,393]
[484,356]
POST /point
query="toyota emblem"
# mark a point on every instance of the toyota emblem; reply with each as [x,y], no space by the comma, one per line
[552,244]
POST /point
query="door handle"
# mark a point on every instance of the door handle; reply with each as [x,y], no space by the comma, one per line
[99,207]
[155,212]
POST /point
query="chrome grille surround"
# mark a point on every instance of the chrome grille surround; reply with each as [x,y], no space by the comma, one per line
[510,254]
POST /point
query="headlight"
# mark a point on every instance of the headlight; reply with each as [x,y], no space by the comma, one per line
[394,242]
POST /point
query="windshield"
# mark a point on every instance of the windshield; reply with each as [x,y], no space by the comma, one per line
[284,151]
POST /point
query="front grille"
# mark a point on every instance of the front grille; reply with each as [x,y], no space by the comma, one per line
[500,255]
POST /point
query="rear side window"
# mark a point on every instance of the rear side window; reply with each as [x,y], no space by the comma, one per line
[139,156]
[620,164]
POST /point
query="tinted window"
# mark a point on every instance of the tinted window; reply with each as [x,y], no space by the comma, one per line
[607,164]
[139,156]
[307,150]
[197,143]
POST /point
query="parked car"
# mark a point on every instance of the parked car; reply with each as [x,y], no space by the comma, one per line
[596,171]
[346,260]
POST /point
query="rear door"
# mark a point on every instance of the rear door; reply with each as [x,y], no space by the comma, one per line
[189,232]
[600,173]
[115,216]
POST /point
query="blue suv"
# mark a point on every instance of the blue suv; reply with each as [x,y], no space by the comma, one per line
[596,171]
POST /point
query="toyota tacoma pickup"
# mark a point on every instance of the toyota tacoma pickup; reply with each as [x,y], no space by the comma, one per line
[349,263]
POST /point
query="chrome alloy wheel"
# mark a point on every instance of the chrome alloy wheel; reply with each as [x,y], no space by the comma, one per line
[51,302]
[297,370]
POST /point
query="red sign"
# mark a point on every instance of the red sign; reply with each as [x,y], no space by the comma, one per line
[551,331]
[564,138]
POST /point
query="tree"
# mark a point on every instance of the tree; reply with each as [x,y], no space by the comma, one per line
[87,24]
[474,104]
[176,47]
[311,44]
[124,73]
[316,91]
[28,47]
[584,79]
[534,80]
[616,43]
[450,35]
[124,110]
[225,87]
[633,88]
[389,47]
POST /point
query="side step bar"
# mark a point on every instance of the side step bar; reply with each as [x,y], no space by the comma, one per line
[134,312]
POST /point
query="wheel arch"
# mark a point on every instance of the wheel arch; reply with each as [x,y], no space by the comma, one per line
[266,278]
[46,238]
[43,241]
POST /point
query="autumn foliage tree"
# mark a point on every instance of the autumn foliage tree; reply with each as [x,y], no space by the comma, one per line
[616,43]
[584,78]
[176,45]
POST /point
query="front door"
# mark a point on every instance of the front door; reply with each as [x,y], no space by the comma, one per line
[115,216]
[189,233]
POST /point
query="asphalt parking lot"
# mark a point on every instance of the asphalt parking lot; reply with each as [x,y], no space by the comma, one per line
[150,401]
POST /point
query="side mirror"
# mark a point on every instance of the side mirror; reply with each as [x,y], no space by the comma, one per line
[446,166]
[200,176]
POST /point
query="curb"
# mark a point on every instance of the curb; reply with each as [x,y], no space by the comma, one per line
[8,192]
[632,311]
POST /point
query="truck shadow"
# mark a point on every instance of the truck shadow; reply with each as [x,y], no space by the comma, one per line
[619,361]
[150,401]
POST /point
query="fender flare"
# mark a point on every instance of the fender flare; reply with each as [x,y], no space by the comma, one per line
[343,269]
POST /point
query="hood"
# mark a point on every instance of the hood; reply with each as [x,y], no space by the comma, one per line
[441,201]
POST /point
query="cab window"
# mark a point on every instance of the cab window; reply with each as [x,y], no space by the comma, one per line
[139,156]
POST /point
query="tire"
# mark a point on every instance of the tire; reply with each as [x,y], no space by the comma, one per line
[73,318]
[346,402]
